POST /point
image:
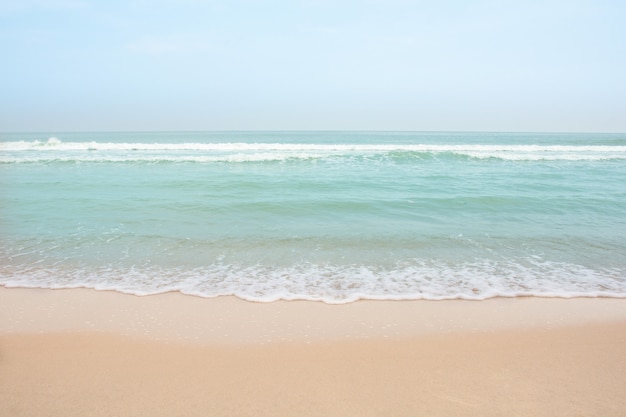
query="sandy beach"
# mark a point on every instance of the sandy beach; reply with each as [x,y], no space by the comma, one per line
[81,352]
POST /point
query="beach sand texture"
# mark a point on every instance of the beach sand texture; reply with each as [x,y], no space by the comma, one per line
[82,352]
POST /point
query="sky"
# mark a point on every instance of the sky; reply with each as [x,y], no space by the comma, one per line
[475,65]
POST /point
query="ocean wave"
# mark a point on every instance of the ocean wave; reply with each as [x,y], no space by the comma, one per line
[335,284]
[56,144]
[156,159]
[54,150]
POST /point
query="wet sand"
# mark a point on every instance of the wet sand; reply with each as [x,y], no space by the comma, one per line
[82,352]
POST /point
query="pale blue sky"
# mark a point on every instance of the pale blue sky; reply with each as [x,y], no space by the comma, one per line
[313,64]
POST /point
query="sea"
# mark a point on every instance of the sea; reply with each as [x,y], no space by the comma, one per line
[322,215]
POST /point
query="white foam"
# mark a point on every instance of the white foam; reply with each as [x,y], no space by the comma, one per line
[234,158]
[54,149]
[333,284]
[55,143]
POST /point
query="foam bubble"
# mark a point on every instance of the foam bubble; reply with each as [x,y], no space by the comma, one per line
[337,284]
[55,150]
[245,146]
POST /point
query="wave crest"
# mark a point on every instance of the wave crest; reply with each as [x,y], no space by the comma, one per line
[54,149]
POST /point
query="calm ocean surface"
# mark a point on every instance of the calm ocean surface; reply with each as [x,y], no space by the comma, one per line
[331,216]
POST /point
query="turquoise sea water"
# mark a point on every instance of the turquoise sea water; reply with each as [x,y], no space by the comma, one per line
[331,216]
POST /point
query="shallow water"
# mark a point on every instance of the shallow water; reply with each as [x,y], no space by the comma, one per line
[331,216]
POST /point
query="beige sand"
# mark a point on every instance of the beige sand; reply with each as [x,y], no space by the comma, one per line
[87,353]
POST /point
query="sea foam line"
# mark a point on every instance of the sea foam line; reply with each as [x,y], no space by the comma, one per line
[55,150]
[478,280]
[54,144]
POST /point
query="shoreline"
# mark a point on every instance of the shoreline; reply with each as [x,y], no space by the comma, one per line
[86,352]
[229,320]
